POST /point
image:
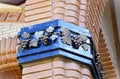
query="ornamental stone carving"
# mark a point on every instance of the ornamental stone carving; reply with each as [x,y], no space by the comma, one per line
[46,37]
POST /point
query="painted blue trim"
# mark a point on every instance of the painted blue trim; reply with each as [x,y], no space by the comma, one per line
[55,23]
[58,52]
[57,48]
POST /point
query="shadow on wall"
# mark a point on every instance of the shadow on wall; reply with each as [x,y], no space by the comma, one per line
[13,2]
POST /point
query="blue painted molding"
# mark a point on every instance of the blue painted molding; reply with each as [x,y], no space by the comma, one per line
[42,49]
[58,44]
[55,23]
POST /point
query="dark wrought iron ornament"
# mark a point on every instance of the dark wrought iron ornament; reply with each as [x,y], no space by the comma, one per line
[99,65]
[45,37]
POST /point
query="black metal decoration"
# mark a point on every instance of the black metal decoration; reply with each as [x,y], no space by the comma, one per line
[99,66]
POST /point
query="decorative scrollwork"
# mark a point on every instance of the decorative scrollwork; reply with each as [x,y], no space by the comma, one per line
[45,37]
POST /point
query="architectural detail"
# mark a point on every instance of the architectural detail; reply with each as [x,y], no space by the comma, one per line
[11,20]
[99,66]
[105,58]
[12,16]
[9,67]
[25,35]
[44,41]
[61,68]
[46,10]
[57,49]
[49,35]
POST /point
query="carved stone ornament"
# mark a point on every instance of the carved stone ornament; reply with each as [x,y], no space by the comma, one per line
[25,35]
[50,35]
[38,34]
[50,29]
[33,42]
[66,40]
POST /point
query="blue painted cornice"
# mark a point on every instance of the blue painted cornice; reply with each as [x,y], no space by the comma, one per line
[57,38]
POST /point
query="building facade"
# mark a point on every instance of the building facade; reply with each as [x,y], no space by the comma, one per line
[99,17]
